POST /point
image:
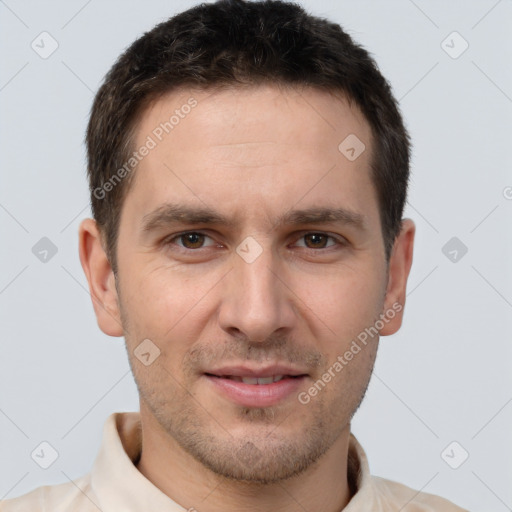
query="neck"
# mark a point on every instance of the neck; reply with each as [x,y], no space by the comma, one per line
[323,486]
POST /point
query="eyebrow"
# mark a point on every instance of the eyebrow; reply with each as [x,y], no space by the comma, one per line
[168,214]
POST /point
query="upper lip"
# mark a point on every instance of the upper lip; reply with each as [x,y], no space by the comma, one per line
[261,372]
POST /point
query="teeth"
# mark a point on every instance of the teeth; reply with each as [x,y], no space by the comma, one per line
[265,380]
[258,380]
[252,380]
[255,380]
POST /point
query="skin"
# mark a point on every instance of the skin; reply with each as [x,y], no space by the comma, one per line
[252,155]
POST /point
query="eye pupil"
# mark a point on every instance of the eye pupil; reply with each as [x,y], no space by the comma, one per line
[316,239]
[192,239]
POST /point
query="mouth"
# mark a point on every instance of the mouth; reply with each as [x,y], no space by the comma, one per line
[261,381]
[256,387]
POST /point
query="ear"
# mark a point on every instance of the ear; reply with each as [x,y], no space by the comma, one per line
[100,278]
[398,272]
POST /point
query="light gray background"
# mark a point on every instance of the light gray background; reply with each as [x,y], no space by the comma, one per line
[446,376]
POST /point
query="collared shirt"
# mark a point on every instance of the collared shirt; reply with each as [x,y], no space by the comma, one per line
[116,485]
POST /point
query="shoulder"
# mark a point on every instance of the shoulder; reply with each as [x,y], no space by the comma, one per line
[393,493]
[76,496]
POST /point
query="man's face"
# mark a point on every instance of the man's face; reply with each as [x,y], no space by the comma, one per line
[267,294]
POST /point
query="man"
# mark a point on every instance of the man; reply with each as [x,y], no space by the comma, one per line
[248,171]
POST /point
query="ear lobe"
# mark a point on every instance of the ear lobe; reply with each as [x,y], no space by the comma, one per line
[100,277]
[399,267]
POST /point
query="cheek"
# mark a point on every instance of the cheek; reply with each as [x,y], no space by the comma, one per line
[344,303]
[168,307]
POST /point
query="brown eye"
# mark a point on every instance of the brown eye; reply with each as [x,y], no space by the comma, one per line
[192,240]
[191,243]
[316,240]
[319,241]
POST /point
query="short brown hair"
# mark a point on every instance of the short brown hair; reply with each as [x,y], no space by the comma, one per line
[235,43]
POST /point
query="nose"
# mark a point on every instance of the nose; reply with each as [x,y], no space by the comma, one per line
[256,299]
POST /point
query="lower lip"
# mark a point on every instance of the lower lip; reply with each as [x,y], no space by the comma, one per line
[257,395]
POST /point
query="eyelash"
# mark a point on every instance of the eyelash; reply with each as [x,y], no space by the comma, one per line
[170,240]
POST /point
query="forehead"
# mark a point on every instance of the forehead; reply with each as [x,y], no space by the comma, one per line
[260,149]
